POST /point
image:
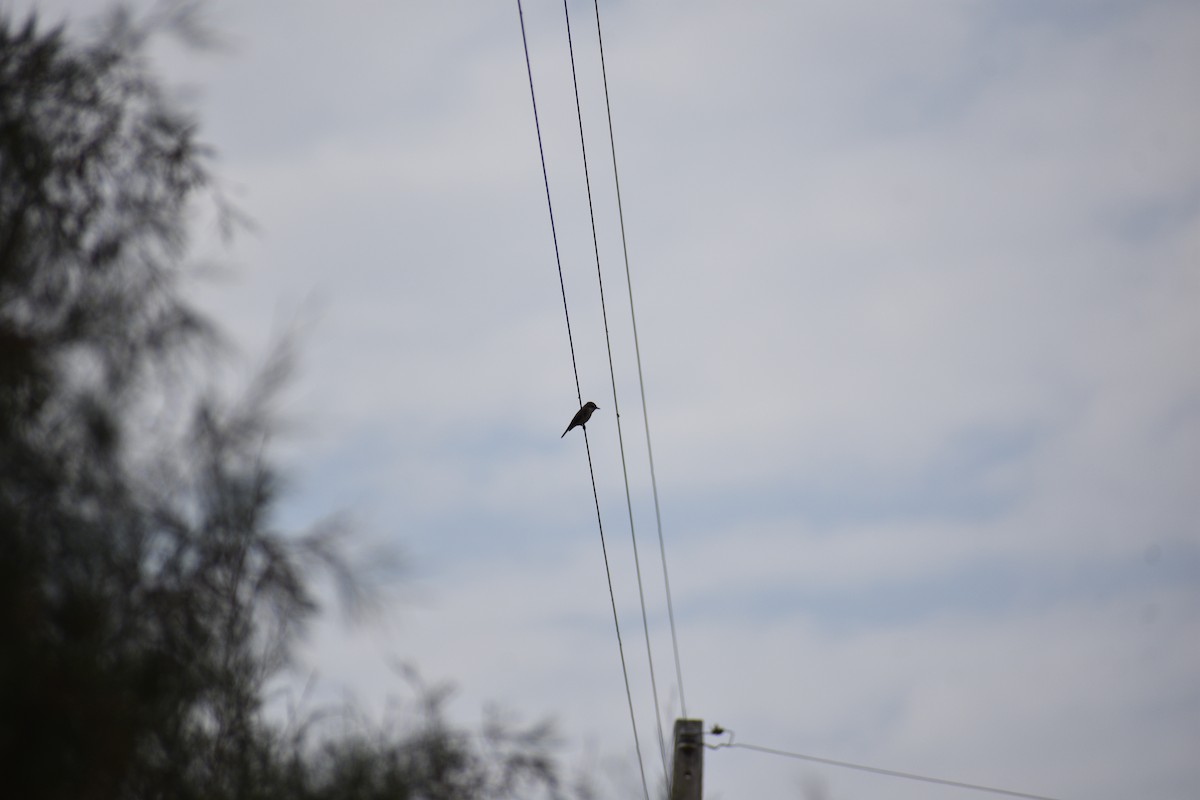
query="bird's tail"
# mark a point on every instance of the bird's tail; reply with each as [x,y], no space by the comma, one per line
[568,430]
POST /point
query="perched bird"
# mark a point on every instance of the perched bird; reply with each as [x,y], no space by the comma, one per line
[581,417]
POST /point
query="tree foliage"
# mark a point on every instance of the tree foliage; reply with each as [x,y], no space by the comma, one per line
[145,597]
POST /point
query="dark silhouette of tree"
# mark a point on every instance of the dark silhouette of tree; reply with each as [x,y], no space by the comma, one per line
[145,598]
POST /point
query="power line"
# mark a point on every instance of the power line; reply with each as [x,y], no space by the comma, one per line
[549,205]
[579,394]
[649,448]
[641,381]
[893,773]
[637,745]
[662,747]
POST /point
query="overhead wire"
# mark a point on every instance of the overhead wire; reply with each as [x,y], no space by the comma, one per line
[616,404]
[549,205]
[649,448]
[641,380]
[579,394]
[892,773]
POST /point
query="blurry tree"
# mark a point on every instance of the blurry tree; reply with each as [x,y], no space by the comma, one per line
[145,598]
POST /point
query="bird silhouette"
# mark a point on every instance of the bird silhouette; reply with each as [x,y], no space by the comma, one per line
[581,417]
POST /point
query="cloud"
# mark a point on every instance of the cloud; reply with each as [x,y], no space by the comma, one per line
[915,286]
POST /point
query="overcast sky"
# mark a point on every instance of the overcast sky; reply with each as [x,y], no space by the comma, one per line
[918,295]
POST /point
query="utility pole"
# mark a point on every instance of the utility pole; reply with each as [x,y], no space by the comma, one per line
[687,763]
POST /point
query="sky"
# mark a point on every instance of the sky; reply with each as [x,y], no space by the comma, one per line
[916,287]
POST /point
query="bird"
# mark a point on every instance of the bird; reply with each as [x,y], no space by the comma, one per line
[581,417]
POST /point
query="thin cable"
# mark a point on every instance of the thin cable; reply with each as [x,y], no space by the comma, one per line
[662,746]
[637,745]
[880,771]
[641,381]
[549,205]
[595,494]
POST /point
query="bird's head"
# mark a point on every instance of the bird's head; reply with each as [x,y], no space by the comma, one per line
[591,405]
